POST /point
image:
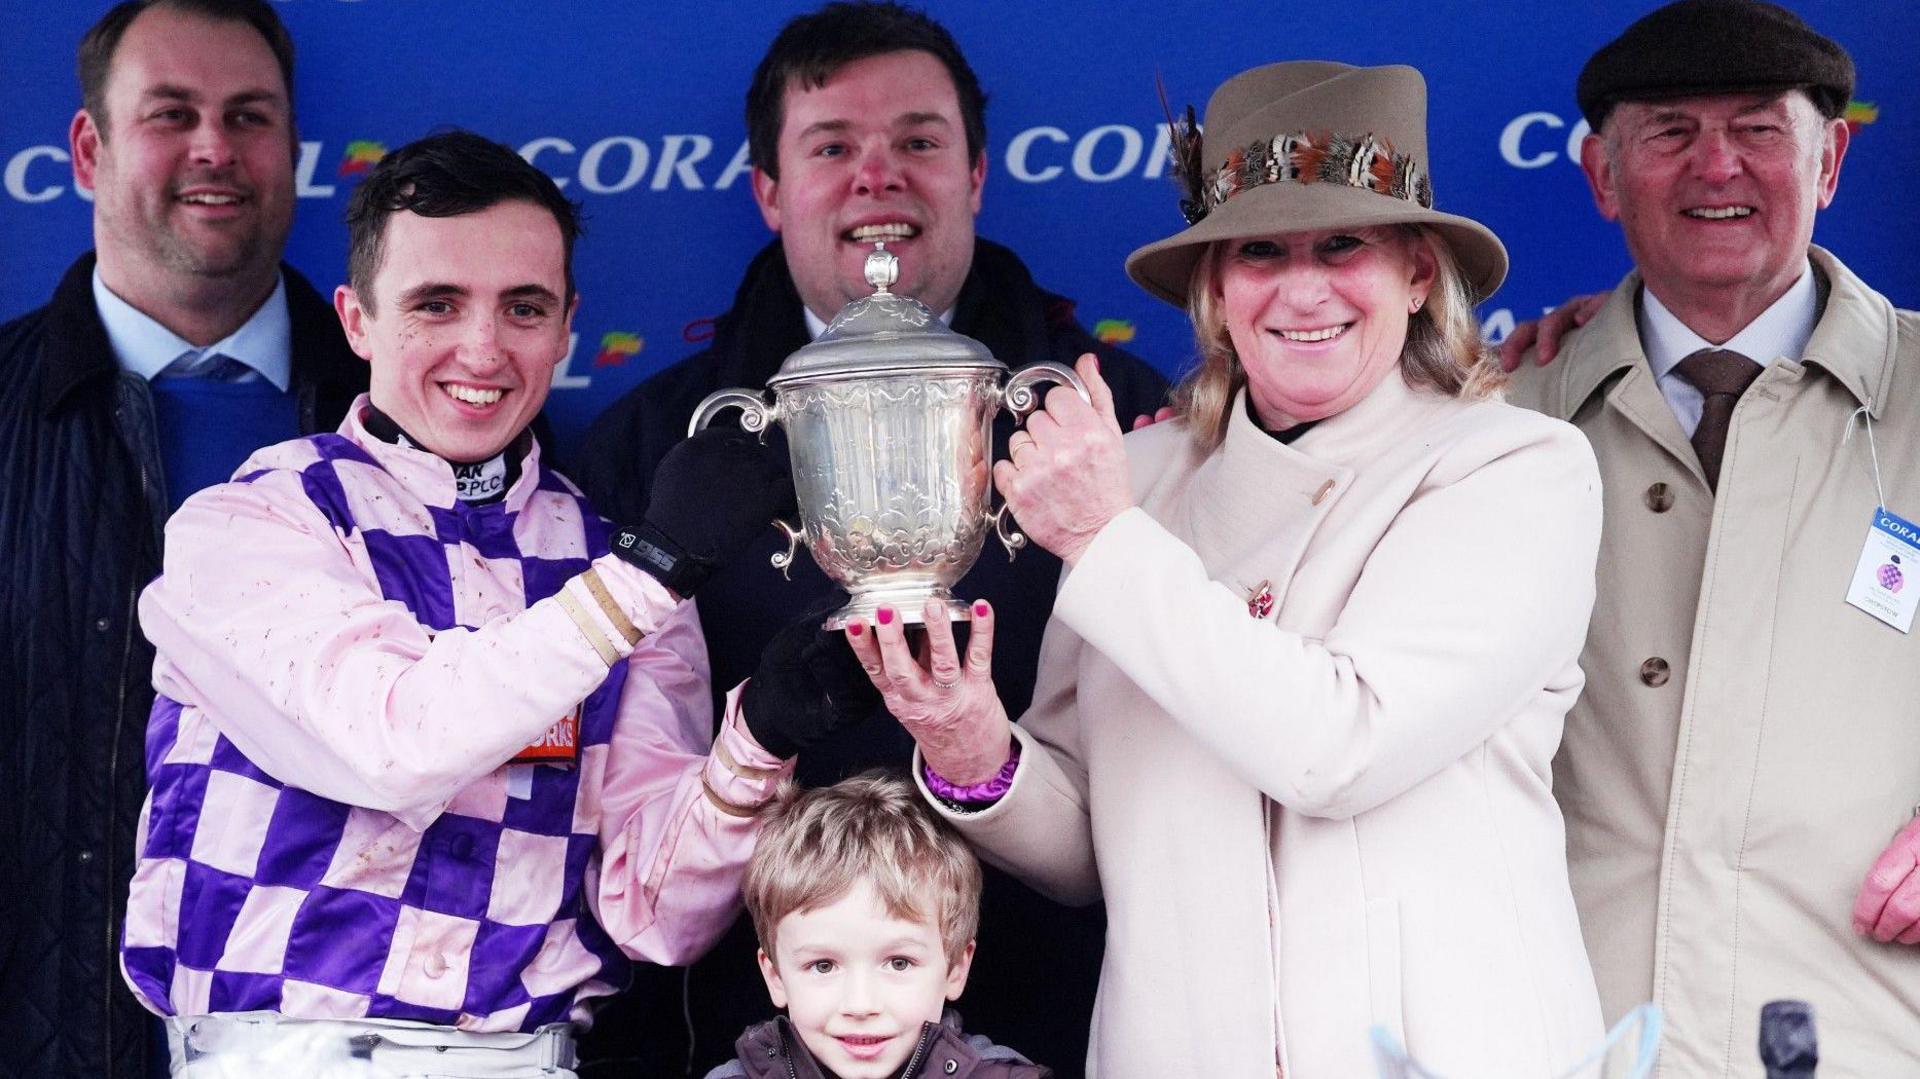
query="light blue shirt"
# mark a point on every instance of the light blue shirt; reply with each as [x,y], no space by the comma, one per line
[1779,332]
[264,342]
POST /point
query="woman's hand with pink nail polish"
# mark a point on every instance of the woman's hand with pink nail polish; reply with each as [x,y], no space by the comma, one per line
[949,706]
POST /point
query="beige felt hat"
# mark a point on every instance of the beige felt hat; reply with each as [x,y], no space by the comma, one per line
[1307,145]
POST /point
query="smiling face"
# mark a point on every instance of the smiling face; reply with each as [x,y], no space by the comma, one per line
[858,983]
[1717,195]
[878,153]
[194,175]
[1319,318]
[467,321]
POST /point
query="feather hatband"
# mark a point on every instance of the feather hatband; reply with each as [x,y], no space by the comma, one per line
[1365,162]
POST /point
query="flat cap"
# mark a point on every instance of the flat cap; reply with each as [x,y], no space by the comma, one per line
[1695,47]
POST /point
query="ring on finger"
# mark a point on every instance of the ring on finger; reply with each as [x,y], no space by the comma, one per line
[1020,441]
[945,687]
[871,668]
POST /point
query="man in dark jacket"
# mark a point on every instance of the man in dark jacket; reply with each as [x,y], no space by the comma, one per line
[165,356]
[865,123]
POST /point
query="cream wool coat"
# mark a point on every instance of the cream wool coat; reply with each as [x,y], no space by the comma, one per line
[1338,815]
[1720,823]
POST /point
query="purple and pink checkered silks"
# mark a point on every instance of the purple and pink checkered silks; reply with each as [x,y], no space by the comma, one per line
[251,894]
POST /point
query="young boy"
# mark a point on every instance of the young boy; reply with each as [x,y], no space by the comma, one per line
[866,904]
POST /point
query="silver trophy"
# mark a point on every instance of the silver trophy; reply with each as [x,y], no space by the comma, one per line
[889,422]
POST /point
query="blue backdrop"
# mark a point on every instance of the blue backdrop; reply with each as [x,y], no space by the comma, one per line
[636,108]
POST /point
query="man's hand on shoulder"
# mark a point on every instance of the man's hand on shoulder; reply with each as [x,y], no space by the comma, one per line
[1548,331]
[1888,906]
[1161,416]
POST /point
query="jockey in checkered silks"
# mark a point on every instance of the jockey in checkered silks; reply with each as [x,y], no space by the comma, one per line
[433,757]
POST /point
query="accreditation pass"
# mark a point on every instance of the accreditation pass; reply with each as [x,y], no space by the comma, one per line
[1886,582]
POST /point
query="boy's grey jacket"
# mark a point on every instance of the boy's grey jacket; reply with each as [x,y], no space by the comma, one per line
[772,1050]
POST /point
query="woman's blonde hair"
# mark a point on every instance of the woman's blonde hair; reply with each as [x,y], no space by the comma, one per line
[815,845]
[1443,352]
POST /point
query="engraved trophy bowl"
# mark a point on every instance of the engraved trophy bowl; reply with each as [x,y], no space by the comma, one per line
[889,424]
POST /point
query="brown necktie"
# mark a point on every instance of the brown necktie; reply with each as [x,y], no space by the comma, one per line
[1721,377]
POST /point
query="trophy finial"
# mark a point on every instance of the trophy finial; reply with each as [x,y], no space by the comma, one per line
[883,267]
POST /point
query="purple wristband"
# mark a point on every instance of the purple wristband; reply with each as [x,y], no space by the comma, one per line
[991,791]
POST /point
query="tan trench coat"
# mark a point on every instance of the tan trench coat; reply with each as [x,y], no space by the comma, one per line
[1747,742]
[1339,814]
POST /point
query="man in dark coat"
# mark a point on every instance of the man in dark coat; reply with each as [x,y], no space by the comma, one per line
[865,123]
[164,356]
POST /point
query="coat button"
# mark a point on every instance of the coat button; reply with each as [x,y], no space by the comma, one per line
[434,966]
[85,856]
[1659,498]
[951,1066]
[1321,495]
[102,624]
[462,846]
[1655,672]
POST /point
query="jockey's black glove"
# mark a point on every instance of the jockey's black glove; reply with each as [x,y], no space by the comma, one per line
[808,685]
[712,494]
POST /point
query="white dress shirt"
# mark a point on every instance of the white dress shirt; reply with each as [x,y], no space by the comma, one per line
[1779,332]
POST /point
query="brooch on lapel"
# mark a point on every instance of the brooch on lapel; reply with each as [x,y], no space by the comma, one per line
[1260,599]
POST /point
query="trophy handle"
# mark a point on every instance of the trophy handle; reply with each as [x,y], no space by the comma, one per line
[1018,392]
[783,560]
[1018,397]
[755,411]
[1010,537]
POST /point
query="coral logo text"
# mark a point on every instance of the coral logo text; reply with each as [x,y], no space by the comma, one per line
[617,348]
[1113,331]
[1531,140]
[685,161]
[1861,113]
[361,156]
[39,174]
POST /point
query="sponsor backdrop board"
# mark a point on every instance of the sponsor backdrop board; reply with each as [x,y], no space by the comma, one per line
[636,109]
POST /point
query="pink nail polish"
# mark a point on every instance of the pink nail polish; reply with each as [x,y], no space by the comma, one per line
[884,616]
[980,608]
[855,629]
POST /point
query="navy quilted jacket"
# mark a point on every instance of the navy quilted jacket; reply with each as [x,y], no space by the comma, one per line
[82,501]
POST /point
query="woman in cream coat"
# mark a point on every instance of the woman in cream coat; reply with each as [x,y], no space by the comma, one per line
[1309,663]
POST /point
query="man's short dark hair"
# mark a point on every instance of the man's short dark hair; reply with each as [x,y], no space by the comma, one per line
[95,59]
[446,175]
[812,47]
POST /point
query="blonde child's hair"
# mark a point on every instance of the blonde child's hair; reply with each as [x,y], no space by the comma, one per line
[815,845]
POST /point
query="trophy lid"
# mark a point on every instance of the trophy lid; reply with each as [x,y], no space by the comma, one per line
[884,333]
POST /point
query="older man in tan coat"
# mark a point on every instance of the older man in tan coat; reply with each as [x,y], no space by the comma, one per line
[1748,745]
